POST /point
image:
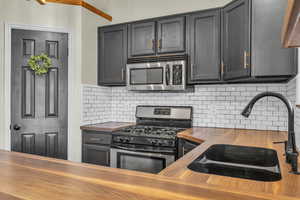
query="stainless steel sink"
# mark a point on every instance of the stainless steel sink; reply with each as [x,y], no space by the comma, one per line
[239,161]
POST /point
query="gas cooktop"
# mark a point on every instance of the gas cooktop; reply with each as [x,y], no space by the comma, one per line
[157,126]
[151,131]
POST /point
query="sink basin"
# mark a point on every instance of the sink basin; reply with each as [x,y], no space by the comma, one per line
[239,161]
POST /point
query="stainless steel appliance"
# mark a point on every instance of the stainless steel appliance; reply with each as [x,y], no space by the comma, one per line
[159,74]
[150,146]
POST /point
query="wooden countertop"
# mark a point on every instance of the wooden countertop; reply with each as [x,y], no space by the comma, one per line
[289,185]
[32,177]
[107,126]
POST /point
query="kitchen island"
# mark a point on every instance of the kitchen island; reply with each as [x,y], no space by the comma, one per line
[26,176]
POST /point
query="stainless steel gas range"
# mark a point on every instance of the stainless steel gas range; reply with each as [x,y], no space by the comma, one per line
[150,146]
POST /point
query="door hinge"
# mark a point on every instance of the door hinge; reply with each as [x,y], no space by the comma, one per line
[68,52]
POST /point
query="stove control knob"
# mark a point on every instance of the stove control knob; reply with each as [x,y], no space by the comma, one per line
[154,142]
[127,139]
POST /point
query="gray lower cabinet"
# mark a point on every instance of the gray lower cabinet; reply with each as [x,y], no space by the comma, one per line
[185,146]
[112,55]
[96,147]
[205,31]
[95,154]
[142,39]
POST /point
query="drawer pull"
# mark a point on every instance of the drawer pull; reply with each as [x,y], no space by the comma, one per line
[95,139]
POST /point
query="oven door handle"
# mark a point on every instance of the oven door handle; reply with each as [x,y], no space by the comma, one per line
[140,149]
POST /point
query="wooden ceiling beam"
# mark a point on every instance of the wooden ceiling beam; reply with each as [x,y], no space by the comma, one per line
[43,2]
[96,11]
[68,2]
[79,3]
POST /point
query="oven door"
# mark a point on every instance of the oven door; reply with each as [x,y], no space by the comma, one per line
[130,159]
[146,76]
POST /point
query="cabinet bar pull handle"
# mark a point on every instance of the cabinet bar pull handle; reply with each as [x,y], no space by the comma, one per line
[160,44]
[245,60]
[150,44]
[122,74]
[222,67]
[153,45]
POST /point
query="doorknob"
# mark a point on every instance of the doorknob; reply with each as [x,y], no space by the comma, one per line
[16,127]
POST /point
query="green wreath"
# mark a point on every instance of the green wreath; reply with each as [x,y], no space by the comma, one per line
[40,64]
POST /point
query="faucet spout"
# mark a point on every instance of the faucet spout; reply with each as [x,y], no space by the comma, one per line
[290,149]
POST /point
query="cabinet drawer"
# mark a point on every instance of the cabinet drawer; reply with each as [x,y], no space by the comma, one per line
[96,138]
[95,154]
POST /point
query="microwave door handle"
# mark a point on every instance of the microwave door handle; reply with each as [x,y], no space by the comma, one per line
[167,74]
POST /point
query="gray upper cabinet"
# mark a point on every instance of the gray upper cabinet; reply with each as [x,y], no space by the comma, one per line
[112,55]
[236,40]
[162,36]
[256,23]
[204,45]
[269,58]
[171,35]
[142,40]
[238,43]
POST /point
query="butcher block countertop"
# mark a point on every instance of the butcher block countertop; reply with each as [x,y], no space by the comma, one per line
[32,177]
[107,126]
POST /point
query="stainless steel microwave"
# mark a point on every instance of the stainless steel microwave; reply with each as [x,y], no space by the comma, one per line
[160,76]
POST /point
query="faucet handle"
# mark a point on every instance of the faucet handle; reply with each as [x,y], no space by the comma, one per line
[281,142]
[294,163]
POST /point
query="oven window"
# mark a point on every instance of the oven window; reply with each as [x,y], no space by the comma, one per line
[140,163]
[146,76]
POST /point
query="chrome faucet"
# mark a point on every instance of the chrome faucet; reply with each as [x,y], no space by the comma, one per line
[291,152]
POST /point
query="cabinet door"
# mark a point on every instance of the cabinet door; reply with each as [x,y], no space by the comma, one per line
[171,35]
[94,154]
[142,39]
[269,58]
[112,55]
[236,40]
[185,147]
[205,46]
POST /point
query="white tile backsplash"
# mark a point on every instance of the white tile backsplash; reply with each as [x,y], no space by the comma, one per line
[96,104]
[214,105]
